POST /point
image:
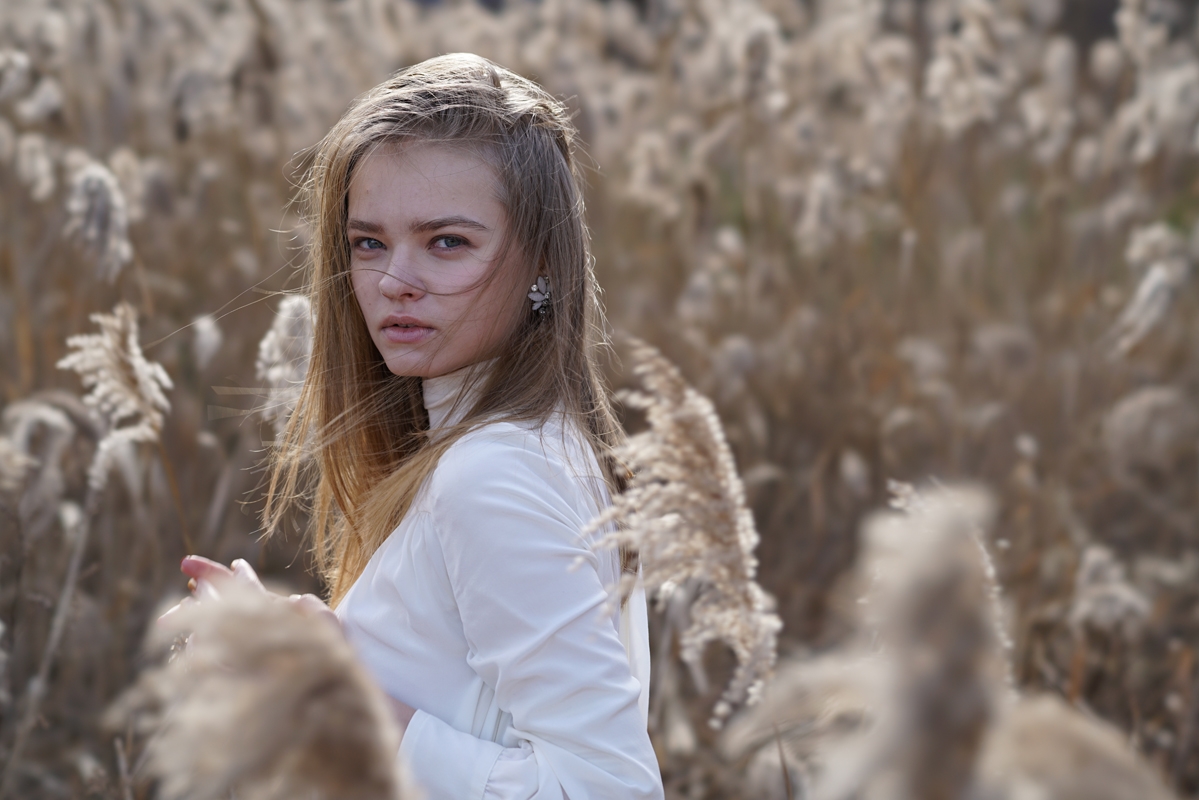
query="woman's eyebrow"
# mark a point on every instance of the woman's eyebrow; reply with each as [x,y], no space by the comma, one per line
[364,226]
[425,226]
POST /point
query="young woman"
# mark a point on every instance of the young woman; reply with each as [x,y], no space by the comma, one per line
[461,439]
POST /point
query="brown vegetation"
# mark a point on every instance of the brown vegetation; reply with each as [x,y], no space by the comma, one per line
[890,240]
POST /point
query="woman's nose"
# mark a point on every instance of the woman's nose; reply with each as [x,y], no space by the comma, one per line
[401,279]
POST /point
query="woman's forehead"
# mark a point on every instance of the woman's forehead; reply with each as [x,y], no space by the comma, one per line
[424,177]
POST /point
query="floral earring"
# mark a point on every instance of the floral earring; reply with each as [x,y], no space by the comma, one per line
[539,293]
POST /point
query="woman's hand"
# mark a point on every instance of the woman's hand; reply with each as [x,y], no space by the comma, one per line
[207,576]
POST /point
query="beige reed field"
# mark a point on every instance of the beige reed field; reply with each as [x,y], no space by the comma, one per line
[933,256]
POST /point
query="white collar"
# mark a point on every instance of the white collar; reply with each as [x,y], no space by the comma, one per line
[449,397]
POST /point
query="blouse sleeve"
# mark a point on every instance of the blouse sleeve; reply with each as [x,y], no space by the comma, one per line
[539,631]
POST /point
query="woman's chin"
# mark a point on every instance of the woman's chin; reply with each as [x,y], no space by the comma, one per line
[419,367]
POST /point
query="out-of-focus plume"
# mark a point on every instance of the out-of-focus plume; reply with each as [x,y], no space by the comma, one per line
[1149,433]
[684,512]
[98,218]
[1004,349]
[265,701]
[1161,255]
[817,227]
[1042,748]
[1106,62]
[43,102]
[919,706]
[35,165]
[127,169]
[1149,244]
[969,77]
[15,72]
[931,609]
[811,707]
[41,433]
[1104,600]
[1141,36]
[207,341]
[14,467]
[1048,115]
[1150,303]
[283,355]
[125,389]
[8,142]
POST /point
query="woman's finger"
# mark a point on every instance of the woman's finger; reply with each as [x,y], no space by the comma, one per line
[309,603]
[246,574]
[313,606]
[199,567]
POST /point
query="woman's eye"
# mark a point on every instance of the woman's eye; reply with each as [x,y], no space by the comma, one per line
[448,242]
[367,243]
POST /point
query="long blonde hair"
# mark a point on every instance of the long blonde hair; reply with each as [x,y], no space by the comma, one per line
[362,429]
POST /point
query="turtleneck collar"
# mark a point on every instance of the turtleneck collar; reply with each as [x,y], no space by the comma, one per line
[447,397]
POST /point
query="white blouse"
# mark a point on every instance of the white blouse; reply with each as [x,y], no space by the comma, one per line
[489,612]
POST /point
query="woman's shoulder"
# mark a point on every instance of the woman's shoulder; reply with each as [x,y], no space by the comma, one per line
[503,439]
[512,455]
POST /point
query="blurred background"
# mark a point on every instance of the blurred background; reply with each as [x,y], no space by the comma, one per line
[892,240]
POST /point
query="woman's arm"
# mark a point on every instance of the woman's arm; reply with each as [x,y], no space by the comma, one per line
[534,607]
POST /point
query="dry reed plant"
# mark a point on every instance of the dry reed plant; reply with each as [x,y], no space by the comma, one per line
[1041,747]
[125,389]
[264,701]
[126,394]
[889,239]
[919,706]
[942,667]
[283,357]
[684,513]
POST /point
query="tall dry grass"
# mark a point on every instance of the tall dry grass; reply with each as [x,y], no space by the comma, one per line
[890,240]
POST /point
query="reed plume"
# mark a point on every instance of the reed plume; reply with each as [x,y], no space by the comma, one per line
[265,702]
[1043,748]
[930,610]
[15,72]
[14,466]
[684,511]
[126,392]
[35,166]
[124,387]
[98,217]
[283,355]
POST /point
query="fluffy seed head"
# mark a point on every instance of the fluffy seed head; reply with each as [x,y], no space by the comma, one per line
[266,701]
[126,390]
[684,511]
[283,357]
[931,606]
[98,218]
[15,71]
[1104,601]
[35,165]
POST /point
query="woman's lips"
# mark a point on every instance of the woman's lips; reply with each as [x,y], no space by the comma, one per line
[415,334]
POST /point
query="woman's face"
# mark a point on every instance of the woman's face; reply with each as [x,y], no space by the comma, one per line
[425,227]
